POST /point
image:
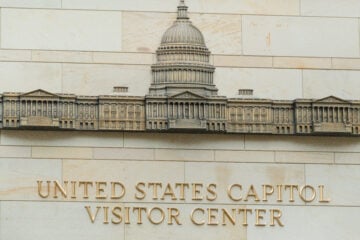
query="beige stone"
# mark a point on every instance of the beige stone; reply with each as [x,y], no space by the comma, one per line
[184,155]
[39,220]
[275,7]
[266,83]
[347,158]
[222,32]
[124,58]
[302,63]
[61,152]
[340,181]
[62,56]
[187,230]
[99,79]
[19,177]
[31,4]
[61,29]
[15,55]
[346,63]
[24,77]
[242,61]
[304,143]
[244,156]
[13,151]
[62,139]
[311,223]
[304,157]
[183,141]
[124,154]
[129,173]
[300,36]
[245,174]
[338,8]
[322,83]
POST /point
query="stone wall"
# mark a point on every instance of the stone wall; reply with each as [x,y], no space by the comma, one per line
[282,49]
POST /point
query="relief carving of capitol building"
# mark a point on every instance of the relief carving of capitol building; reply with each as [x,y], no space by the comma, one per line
[182,98]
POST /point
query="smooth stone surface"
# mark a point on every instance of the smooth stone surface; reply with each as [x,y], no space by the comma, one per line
[60,29]
[31,4]
[304,157]
[244,156]
[338,8]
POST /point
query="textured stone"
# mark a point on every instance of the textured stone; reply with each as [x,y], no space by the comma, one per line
[123,154]
[23,77]
[61,30]
[124,58]
[85,78]
[300,36]
[61,139]
[346,63]
[39,220]
[183,141]
[244,156]
[322,83]
[340,182]
[61,56]
[275,7]
[14,151]
[242,61]
[347,158]
[266,83]
[302,63]
[61,152]
[338,8]
[15,55]
[18,177]
[304,157]
[184,155]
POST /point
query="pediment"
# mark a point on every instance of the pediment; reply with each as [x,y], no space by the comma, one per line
[39,93]
[332,99]
[187,95]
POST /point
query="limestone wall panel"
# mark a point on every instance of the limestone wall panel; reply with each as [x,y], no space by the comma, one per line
[300,36]
[31,4]
[338,8]
[60,30]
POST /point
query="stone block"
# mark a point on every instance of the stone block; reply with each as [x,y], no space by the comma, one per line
[31,4]
[16,152]
[276,7]
[297,143]
[60,29]
[300,36]
[311,223]
[123,154]
[124,58]
[338,8]
[62,152]
[304,157]
[266,83]
[99,79]
[15,55]
[61,139]
[346,63]
[184,141]
[39,220]
[244,156]
[242,61]
[246,174]
[129,173]
[340,181]
[184,155]
[347,158]
[19,177]
[25,77]
[302,63]
[222,32]
[322,83]
[62,56]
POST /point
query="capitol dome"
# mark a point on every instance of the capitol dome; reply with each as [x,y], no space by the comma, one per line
[183,60]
